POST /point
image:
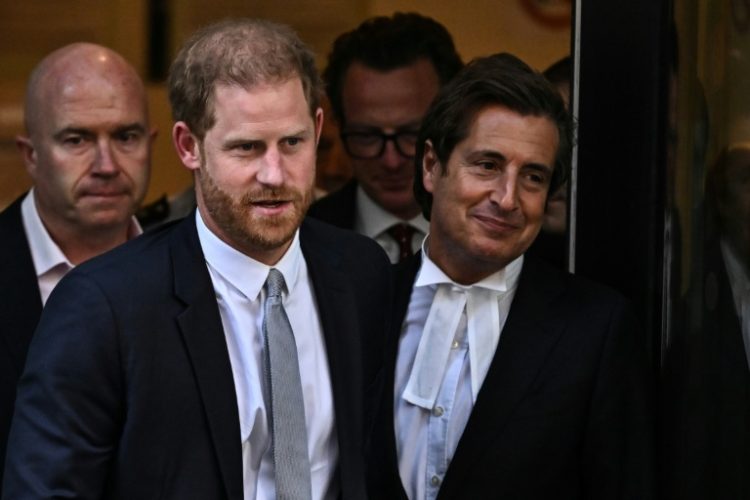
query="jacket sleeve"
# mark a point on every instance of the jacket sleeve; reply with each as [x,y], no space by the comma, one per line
[69,408]
[618,452]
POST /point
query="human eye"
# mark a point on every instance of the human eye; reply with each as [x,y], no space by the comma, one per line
[364,138]
[246,147]
[408,137]
[73,140]
[486,166]
[293,141]
[537,177]
[128,137]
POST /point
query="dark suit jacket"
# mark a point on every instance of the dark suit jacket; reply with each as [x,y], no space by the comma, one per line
[128,389]
[562,412]
[338,208]
[20,308]
[706,394]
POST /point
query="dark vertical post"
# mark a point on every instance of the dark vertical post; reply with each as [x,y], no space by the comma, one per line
[622,129]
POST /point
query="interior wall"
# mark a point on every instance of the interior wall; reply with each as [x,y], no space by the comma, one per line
[536,31]
[32,28]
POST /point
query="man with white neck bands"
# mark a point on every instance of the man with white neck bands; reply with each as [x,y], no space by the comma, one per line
[504,377]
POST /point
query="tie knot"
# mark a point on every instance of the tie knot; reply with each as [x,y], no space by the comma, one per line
[403,234]
[274,283]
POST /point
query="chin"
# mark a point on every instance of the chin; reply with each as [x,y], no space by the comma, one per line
[106,220]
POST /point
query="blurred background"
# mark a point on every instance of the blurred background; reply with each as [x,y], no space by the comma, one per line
[149,33]
[659,196]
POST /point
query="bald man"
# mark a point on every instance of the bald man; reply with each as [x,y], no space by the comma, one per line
[87,150]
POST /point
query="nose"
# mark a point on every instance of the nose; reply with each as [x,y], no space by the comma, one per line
[105,163]
[271,172]
[391,158]
[505,195]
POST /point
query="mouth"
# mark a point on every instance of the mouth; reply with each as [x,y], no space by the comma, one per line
[269,203]
[497,224]
[271,207]
[104,194]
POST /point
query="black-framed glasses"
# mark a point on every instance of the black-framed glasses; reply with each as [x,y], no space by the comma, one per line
[369,145]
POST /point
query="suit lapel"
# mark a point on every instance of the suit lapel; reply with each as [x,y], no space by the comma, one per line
[337,312]
[338,208]
[21,306]
[382,453]
[201,329]
[525,343]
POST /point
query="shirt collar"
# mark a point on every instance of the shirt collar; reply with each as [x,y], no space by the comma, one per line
[482,302]
[45,253]
[501,281]
[245,273]
[373,220]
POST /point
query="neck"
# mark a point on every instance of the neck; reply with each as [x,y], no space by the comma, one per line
[461,268]
[407,213]
[79,246]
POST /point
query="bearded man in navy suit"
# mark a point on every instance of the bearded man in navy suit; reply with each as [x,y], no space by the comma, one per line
[149,374]
[504,377]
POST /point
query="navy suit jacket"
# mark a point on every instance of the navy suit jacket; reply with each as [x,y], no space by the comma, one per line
[20,308]
[338,208]
[563,411]
[128,388]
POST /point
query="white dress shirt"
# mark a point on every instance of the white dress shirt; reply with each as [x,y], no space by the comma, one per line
[238,282]
[50,263]
[427,434]
[373,221]
[740,283]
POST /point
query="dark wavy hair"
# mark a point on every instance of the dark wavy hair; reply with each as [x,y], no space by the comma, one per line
[386,43]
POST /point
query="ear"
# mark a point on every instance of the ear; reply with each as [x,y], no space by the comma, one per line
[28,153]
[186,145]
[430,167]
[318,124]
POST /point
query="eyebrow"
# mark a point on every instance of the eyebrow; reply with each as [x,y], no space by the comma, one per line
[138,127]
[85,131]
[496,155]
[539,167]
[303,132]
[412,126]
[488,153]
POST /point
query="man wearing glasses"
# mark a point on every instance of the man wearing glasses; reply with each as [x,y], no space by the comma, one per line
[380,80]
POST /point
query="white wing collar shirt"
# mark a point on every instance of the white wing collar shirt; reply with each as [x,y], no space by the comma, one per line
[50,263]
[238,283]
[373,221]
[448,341]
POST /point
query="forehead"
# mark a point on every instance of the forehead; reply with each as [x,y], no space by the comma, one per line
[92,102]
[528,137]
[387,98]
[267,103]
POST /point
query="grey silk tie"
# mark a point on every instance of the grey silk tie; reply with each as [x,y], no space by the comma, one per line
[287,409]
